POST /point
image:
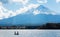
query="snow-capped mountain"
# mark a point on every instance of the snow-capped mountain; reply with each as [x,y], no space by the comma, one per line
[30,19]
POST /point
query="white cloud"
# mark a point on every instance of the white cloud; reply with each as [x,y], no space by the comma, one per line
[21,1]
[42,1]
[0,3]
[33,5]
[57,1]
[52,13]
[36,12]
[5,13]
[26,8]
[47,13]
[2,9]
[22,10]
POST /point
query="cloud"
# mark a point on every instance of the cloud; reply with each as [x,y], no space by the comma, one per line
[5,13]
[26,8]
[2,9]
[36,12]
[57,1]
[20,1]
[42,1]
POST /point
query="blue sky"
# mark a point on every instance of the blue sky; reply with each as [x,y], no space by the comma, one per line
[53,5]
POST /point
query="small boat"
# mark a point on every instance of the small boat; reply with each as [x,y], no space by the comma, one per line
[16,33]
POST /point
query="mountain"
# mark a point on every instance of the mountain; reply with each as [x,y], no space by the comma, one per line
[30,19]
